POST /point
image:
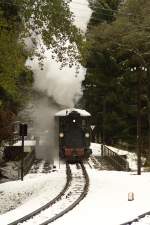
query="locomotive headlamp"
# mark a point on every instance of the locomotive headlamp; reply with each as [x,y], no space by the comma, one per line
[74,121]
[61,135]
[87,135]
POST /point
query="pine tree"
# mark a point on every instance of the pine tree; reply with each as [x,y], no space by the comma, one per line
[114,49]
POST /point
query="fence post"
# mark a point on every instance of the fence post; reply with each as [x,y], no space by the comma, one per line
[102,150]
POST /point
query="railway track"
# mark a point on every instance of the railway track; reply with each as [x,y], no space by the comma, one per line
[139,219]
[41,166]
[74,191]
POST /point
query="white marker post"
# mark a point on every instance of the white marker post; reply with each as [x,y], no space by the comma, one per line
[130,196]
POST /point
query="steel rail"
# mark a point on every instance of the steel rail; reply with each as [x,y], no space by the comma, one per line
[82,195]
[30,215]
[136,219]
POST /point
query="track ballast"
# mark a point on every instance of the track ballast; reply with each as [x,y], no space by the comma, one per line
[75,190]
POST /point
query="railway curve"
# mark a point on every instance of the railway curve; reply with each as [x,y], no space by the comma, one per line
[74,191]
[138,219]
[50,203]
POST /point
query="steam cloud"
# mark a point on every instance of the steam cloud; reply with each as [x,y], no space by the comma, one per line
[64,86]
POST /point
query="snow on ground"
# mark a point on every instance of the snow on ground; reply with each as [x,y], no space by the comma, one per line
[96,149]
[31,193]
[106,203]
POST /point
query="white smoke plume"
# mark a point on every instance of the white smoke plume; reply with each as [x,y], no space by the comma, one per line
[64,85]
[44,126]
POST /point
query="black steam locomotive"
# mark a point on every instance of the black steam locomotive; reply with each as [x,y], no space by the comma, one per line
[74,135]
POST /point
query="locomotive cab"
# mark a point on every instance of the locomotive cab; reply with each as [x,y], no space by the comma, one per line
[74,135]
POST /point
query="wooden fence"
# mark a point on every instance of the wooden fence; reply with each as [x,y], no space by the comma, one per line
[118,161]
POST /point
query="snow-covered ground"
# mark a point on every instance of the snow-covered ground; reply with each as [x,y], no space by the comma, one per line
[106,203]
[30,194]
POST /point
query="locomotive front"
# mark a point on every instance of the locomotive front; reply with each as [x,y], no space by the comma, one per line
[74,135]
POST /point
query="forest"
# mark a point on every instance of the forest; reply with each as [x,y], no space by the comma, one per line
[115,51]
[117,84]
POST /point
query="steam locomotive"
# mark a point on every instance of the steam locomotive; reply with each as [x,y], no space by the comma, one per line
[74,134]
